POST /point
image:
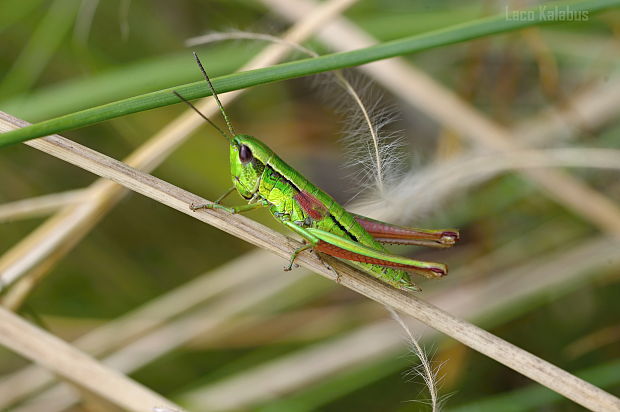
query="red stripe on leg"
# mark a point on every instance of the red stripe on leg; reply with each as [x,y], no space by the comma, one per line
[339,252]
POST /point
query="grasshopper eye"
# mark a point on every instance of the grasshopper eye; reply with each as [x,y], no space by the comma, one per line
[245,154]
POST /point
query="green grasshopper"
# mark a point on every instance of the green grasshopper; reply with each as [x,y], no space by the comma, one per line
[265,180]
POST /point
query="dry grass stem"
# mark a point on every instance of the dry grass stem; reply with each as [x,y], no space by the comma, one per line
[268,282]
[419,89]
[553,272]
[78,368]
[293,326]
[262,383]
[441,181]
[39,206]
[142,320]
[473,300]
[246,229]
[592,342]
[486,295]
[596,106]
[49,243]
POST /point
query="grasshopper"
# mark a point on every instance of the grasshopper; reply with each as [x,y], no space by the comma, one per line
[265,180]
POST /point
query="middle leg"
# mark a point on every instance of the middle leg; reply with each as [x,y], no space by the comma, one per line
[308,237]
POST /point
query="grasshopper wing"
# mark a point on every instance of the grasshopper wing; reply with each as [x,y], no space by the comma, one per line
[388,233]
[340,247]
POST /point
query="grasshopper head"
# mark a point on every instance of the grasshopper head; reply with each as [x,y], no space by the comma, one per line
[248,157]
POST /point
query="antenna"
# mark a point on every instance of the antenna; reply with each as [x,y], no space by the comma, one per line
[184,100]
[204,73]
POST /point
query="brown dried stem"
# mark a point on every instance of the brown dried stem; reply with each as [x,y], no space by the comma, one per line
[523,362]
[40,250]
[79,368]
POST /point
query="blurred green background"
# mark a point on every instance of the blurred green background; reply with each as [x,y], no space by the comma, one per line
[57,59]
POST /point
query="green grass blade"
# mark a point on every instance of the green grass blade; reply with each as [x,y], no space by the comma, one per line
[43,43]
[12,12]
[459,33]
[167,70]
[138,77]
